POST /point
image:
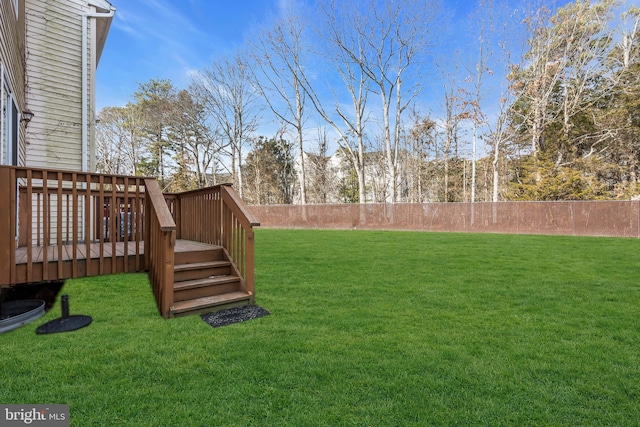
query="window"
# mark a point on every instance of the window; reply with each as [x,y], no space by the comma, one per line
[15,7]
[9,121]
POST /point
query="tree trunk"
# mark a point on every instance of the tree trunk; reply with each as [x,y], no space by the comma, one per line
[496,156]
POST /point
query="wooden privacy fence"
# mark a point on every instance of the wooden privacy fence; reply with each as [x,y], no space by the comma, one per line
[574,218]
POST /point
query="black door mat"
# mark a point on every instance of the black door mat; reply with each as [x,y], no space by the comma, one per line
[234,315]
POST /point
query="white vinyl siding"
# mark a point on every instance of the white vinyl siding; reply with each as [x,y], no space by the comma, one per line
[11,83]
[54,94]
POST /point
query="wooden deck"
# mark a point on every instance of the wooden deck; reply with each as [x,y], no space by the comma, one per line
[60,263]
[121,249]
[61,224]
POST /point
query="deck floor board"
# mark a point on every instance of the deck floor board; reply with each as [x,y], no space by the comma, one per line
[37,252]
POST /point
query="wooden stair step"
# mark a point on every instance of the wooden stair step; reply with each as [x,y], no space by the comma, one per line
[201,265]
[206,281]
[196,256]
[204,304]
[205,287]
[199,270]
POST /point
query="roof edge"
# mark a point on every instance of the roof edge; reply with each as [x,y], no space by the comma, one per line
[101,4]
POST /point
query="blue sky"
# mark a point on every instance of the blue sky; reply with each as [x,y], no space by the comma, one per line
[168,39]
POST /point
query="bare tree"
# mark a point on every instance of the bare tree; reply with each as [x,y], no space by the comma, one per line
[352,138]
[536,83]
[111,138]
[563,52]
[120,149]
[320,175]
[377,183]
[279,57]
[383,41]
[590,42]
[496,39]
[419,138]
[616,124]
[456,110]
[196,144]
[484,28]
[628,45]
[231,99]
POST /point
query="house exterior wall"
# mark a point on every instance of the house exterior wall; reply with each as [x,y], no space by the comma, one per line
[12,70]
[54,83]
[91,96]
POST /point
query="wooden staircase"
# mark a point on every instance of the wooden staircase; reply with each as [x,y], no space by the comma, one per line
[205,281]
[197,246]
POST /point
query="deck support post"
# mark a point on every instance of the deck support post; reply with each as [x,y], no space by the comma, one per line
[6,234]
[168,242]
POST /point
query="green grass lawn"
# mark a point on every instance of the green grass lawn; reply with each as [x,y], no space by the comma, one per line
[367,329]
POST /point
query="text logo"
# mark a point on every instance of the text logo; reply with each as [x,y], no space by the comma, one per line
[34,415]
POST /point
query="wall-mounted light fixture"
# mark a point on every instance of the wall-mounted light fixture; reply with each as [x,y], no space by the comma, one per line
[27,115]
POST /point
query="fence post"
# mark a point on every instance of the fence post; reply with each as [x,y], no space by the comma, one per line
[638,209]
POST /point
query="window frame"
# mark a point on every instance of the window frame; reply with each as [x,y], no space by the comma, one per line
[9,122]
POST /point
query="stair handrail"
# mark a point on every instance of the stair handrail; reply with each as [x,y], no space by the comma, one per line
[217,216]
[159,244]
[238,237]
[239,208]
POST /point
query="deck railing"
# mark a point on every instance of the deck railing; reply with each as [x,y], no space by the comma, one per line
[217,216]
[159,241]
[68,224]
[237,235]
[197,214]
[56,225]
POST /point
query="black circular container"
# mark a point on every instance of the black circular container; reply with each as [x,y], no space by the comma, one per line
[14,314]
